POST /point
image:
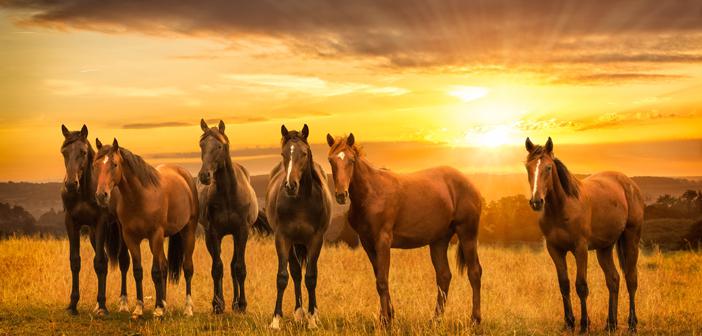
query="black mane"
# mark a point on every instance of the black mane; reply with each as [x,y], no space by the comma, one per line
[144,172]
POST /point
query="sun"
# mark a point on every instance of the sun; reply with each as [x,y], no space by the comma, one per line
[468,93]
[492,137]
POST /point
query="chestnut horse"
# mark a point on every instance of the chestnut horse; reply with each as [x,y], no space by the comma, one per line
[604,210]
[78,196]
[390,210]
[229,206]
[152,203]
[299,206]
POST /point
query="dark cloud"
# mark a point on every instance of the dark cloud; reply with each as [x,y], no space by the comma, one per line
[412,33]
[615,78]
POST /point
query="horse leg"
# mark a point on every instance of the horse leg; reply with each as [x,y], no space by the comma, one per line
[238,268]
[581,285]
[73,231]
[282,248]
[628,257]
[469,244]
[314,247]
[559,260]
[100,266]
[159,271]
[382,250]
[606,260]
[124,268]
[296,274]
[137,271]
[188,268]
[214,243]
[439,259]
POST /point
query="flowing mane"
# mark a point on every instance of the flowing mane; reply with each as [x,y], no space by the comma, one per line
[144,172]
[567,180]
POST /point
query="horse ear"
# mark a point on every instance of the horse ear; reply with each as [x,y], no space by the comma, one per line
[305,131]
[84,132]
[98,144]
[529,145]
[65,130]
[284,131]
[203,125]
[350,140]
[330,140]
[115,145]
[549,145]
[221,126]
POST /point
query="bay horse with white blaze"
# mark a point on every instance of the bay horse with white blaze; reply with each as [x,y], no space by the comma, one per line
[406,211]
[597,213]
[81,209]
[228,206]
[152,203]
[299,206]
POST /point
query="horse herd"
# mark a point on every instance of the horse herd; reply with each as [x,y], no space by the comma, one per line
[124,200]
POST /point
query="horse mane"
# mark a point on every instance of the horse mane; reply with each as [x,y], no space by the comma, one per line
[144,172]
[297,136]
[568,182]
[341,141]
[86,178]
[215,133]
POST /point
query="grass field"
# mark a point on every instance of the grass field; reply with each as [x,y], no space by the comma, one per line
[520,294]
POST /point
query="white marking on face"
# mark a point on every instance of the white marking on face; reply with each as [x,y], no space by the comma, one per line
[341,155]
[536,177]
[287,178]
[107,158]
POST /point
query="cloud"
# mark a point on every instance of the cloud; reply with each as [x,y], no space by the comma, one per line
[155,125]
[413,33]
[615,78]
[80,88]
[313,85]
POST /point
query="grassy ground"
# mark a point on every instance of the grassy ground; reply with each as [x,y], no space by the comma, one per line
[520,294]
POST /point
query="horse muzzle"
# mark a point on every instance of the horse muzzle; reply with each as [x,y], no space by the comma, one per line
[205,178]
[102,198]
[341,197]
[71,185]
[536,204]
[291,189]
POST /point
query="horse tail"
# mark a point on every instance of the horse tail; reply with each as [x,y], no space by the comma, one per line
[175,256]
[113,241]
[461,260]
[261,225]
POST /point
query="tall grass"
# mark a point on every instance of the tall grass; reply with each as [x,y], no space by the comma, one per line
[519,296]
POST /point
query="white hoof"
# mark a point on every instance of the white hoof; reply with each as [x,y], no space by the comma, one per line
[299,314]
[159,312]
[99,311]
[188,306]
[275,324]
[138,310]
[123,305]
[313,320]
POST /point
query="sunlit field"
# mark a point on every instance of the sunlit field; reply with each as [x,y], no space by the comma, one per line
[520,294]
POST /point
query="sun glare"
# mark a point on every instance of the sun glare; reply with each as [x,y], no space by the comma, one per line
[468,93]
[492,138]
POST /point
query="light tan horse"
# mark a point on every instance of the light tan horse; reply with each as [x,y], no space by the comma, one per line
[152,203]
[604,210]
[390,210]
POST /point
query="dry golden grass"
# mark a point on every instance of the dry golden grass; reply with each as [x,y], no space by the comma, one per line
[520,294]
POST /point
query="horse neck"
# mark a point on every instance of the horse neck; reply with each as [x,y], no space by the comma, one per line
[556,196]
[362,181]
[225,177]
[131,190]
[307,179]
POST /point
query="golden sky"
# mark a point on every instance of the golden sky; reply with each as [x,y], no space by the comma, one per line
[453,78]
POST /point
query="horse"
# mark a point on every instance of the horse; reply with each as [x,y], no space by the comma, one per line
[299,207]
[152,203]
[228,206]
[81,209]
[390,210]
[598,213]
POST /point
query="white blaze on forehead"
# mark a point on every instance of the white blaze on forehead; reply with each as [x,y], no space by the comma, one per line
[536,177]
[287,178]
[341,155]
[107,158]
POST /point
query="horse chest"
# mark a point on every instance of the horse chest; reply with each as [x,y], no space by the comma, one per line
[222,214]
[84,213]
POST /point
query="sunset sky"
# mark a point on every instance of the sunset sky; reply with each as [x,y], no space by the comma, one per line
[616,84]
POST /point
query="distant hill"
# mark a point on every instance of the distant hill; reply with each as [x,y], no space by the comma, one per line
[38,198]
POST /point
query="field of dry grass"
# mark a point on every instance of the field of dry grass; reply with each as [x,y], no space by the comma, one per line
[520,294]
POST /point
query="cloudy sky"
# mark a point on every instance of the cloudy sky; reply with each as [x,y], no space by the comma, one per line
[475,77]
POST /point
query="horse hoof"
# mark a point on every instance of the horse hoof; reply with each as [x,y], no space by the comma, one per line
[313,320]
[99,311]
[275,324]
[239,307]
[138,310]
[159,312]
[123,305]
[72,310]
[611,327]
[188,306]
[217,310]
[299,314]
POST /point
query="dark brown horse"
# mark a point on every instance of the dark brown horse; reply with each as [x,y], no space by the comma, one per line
[228,206]
[78,195]
[298,205]
[604,210]
[391,210]
[152,203]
